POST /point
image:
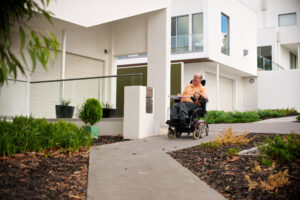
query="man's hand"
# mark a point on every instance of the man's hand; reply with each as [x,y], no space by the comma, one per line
[179,95]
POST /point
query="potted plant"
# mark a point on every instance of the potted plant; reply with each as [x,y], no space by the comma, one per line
[108,111]
[64,110]
[91,113]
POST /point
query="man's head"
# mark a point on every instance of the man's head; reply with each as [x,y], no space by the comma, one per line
[197,79]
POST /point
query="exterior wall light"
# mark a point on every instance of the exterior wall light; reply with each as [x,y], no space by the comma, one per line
[106,51]
[245,52]
[251,80]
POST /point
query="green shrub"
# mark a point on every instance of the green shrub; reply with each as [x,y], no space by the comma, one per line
[213,117]
[298,117]
[91,111]
[210,144]
[233,151]
[25,134]
[244,117]
[280,149]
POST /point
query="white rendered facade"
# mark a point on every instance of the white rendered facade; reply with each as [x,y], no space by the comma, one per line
[91,35]
[225,74]
[278,27]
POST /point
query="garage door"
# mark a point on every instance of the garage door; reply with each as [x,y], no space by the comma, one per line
[226,92]
[44,96]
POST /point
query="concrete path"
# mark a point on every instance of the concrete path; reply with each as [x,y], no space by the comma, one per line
[142,169]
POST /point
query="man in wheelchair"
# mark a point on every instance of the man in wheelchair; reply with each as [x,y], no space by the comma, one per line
[189,105]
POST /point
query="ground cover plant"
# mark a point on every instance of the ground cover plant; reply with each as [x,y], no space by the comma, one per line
[246,176]
[25,134]
[48,175]
[214,117]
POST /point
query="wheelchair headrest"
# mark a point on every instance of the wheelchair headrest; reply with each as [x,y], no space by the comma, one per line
[202,82]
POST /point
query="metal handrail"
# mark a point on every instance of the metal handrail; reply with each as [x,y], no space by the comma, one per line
[9,79]
[87,78]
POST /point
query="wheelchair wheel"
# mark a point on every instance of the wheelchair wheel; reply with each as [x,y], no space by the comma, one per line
[171,133]
[200,131]
[207,129]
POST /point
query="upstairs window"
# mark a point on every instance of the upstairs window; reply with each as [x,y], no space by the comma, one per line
[180,34]
[287,19]
[197,32]
[225,34]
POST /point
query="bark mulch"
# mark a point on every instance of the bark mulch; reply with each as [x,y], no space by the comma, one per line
[226,174]
[52,175]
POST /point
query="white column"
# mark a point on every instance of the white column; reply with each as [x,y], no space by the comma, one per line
[298,58]
[63,64]
[158,74]
[218,86]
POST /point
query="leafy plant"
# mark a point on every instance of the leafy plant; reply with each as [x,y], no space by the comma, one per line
[298,117]
[106,105]
[273,182]
[228,137]
[233,151]
[280,149]
[213,117]
[210,144]
[91,111]
[25,134]
[16,14]
[64,102]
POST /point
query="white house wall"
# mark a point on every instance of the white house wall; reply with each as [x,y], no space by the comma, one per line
[281,88]
[12,99]
[94,12]
[250,93]
[130,35]
[283,58]
[231,85]
[242,30]
[180,7]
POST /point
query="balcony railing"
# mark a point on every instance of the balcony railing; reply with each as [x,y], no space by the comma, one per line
[268,65]
[186,43]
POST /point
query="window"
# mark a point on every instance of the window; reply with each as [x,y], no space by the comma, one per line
[264,57]
[180,34]
[292,61]
[287,19]
[197,32]
[184,37]
[225,34]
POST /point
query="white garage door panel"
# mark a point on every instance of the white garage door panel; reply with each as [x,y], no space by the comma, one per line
[226,92]
[44,96]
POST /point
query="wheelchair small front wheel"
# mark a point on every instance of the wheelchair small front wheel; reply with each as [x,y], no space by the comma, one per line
[171,133]
[200,131]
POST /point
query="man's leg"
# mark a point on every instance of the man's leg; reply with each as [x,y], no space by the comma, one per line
[185,108]
[175,111]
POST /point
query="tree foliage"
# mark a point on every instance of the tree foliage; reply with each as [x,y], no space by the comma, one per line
[16,14]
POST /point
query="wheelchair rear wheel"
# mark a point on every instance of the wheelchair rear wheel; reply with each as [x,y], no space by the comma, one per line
[171,133]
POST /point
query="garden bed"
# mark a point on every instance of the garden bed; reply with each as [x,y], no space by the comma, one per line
[52,175]
[226,173]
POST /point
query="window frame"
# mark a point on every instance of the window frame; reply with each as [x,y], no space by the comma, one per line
[228,33]
[287,14]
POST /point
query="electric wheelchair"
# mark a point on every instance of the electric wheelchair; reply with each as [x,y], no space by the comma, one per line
[193,124]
